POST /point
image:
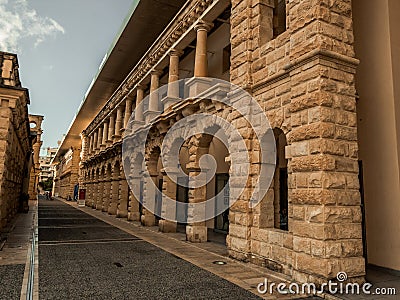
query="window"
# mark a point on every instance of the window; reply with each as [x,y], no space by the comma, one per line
[226,59]
[280,183]
[279,20]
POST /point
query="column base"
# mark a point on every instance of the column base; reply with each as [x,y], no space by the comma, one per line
[169,101]
[198,85]
[196,233]
[136,124]
[122,213]
[150,115]
[148,220]
[112,210]
[116,138]
[133,216]
[167,226]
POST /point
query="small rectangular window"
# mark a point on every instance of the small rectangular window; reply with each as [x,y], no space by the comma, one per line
[279,22]
[226,59]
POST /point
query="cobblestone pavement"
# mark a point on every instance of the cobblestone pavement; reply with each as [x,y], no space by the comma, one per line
[82,257]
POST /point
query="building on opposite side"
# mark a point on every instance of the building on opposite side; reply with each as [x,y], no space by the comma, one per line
[46,167]
[15,140]
[325,78]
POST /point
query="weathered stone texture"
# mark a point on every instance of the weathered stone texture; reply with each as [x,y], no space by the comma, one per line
[15,143]
[304,80]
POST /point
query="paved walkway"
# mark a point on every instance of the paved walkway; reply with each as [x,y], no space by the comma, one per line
[82,257]
[88,254]
[14,254]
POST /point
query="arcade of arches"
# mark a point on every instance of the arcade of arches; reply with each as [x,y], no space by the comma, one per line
[309,224]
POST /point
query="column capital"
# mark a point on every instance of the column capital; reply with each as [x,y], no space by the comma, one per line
[156,72]
[203,26]
[175,52]
[141,86]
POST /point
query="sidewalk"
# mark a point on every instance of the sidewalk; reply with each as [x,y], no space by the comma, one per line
[15,255]
[245,275]
[203,255]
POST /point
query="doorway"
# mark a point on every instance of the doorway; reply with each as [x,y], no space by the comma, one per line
[182,195]
[221,221]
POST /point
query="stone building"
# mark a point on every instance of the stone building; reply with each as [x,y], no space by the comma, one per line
[66,174]
[324,79]
[46,167]
[15,143]
[35,122]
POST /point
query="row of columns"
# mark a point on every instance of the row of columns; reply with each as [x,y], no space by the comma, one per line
[112,129]
[109,191]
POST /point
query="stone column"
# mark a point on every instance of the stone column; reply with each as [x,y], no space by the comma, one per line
[99,138]
[112,209]
[154,108]
[201,61]
[173,84]
[128,111]
[118,124]
[149,200]
[168,209]
[198,85]
[139,117]
[122,211]
[99,200]
[90,144]
[95,189]
[89,183]
[106,193]
[94,143]
[196,232]
[85,146]
[111,129]
[105,135]
[133,213]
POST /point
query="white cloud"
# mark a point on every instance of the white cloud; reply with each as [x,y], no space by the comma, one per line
[48,67]
[18,21]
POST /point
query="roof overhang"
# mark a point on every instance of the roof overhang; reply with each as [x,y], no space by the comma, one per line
[143,25]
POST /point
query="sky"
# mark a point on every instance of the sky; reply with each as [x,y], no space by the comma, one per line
[60,46]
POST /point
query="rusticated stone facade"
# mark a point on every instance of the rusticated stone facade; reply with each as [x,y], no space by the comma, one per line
[304,78]
[297,59]
[15,144]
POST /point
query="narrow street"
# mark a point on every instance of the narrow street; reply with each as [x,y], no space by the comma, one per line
[82,257]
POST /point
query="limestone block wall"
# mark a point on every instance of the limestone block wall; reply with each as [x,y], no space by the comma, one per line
[14,139]
[304,80]
[67,173]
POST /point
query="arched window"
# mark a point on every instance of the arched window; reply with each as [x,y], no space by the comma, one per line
[280,183]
